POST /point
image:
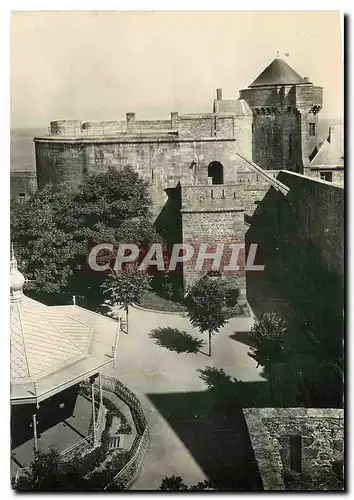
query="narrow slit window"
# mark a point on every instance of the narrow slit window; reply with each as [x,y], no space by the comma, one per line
[312,129]
[295,453]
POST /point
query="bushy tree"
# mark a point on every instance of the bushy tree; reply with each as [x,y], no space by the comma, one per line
[125,287]
[267,337]
[175,483]
[44,249]
[206,306]
[55,229]
[49,472]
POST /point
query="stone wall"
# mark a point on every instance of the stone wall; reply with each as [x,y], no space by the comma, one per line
[60,161]
[22,184]
[337,174]
[214,215]
[212,228]
[163,161]
[296,233]
[321,438]
[281,130]
[300,242]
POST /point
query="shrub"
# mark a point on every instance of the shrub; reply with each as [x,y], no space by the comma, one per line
[166,288]
[125,428]
[231,297]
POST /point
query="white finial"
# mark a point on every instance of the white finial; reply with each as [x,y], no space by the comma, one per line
[17,279]
[277,53]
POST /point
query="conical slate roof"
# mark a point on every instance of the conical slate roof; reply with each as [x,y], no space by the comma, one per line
[278,73]
[43,339]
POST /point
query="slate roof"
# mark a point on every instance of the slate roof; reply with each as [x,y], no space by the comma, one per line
[331,154]
[237,106]
[278,73]
[44,339]
[53,348]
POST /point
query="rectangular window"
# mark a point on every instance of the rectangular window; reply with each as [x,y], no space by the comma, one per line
[295,453]
[326,176]
[312,128]
[21,196]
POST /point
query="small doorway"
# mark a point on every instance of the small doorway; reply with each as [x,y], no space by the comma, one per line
[216,172]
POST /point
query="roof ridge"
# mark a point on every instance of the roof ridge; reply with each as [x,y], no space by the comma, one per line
[88,310]
[17,305]
[56,328]
[71,317]
[273,181]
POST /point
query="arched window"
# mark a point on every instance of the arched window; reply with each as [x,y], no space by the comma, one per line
[216,172]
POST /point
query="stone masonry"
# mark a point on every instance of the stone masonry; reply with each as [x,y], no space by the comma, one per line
[320,436]
[224,161]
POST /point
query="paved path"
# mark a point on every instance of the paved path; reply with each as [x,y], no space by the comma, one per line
[154,372]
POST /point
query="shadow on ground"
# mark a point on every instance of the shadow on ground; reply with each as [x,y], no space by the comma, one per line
[243,337]
[217,437]
[230,391]
[176,340]
[212,426]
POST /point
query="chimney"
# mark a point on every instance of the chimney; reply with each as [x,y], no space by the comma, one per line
[329,134]
[174,120]
[130,117]
[219,94]
[306,79]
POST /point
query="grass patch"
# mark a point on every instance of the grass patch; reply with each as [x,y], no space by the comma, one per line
[152,301]
[156,303]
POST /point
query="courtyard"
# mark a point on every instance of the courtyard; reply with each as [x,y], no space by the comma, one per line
[190,435]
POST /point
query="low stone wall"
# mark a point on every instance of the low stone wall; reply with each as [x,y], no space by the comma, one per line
[320,432]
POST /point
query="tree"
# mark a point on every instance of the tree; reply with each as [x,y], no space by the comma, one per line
[125,287]
[49,472]
[267,337]
[54,230]
[175,483]
[44,250]
[206,306]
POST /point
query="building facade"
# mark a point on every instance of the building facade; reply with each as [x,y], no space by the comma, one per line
[223,162]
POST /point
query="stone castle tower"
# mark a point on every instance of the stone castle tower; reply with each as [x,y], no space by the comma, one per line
[285,110]
[207,171]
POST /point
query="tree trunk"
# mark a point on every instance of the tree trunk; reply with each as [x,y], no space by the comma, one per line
[270,371]
[209,343]
[127,318]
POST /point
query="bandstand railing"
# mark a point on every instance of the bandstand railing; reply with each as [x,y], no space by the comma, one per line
[131,470]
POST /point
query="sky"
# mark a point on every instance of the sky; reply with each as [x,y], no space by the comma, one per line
[100,65]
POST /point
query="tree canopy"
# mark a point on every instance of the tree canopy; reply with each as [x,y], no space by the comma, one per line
[49,472]
[206,306]
[267,337]
[54,231]
[175,483]
[268,340]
